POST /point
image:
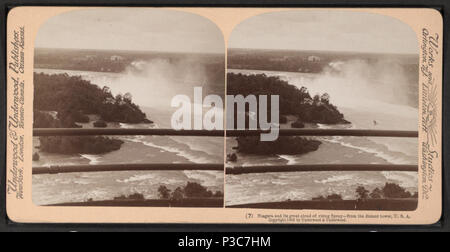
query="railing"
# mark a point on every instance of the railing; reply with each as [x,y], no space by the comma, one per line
[221,133]
[220,167]
[236,170]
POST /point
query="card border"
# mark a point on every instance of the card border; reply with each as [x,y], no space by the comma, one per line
[443,225]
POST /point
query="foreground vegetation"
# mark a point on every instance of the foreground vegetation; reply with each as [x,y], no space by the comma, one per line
[283,145]
[389,191]
[191,190]
[191,195]
[391,197]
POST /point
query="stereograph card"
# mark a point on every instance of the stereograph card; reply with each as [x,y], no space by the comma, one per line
[224,115]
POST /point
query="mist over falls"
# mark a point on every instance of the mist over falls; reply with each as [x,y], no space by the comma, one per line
[385,85]
[355,82]
[154,83]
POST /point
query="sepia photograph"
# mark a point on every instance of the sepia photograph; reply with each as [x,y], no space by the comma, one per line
[104,83]
[234,116]
[347,90]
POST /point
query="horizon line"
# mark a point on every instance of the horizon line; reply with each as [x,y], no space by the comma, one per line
[122,50]
[320,50]
[231,48]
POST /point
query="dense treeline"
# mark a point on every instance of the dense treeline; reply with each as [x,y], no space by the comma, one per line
[72,144]
[389,191]
[293,101]
[79,145]
[285,64]
[114,61]
[309,61]
[72,98]
[191,190]
[283,145]
[47,120]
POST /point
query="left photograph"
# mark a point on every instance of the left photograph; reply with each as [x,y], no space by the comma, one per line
[105,81]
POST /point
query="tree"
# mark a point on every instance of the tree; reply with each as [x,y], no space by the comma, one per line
[321,198]
[334,197]
[100,124]
[392,190]
[106,90]
[177,194]
[127,98]
[362,193]
[218,194]
[193,189]
[325,98]
[304,90]
[376,194]
[36,157]
[164,192]
[316,100]
[73,98]
[119,98]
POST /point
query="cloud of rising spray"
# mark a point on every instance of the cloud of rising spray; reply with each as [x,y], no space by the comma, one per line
[359,82]
[153,83]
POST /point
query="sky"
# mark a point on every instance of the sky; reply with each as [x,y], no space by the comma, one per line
[131,29]
[175,31]
[325,30]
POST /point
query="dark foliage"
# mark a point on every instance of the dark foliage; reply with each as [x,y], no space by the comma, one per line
[392,190]
[297,124]
[164,192]
[100,124]
[45,120]
[135,196]
[291,61]
[283,119]
[389,191]
[36,157]
[283,145]
[362,193]
[79,145]
[73,98]
[191,190]
[71,145]
[232,157]
[293,101]
[329,197]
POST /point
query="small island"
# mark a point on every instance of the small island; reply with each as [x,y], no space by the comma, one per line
[283,145]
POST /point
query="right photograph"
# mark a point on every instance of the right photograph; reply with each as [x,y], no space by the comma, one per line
[346,87]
